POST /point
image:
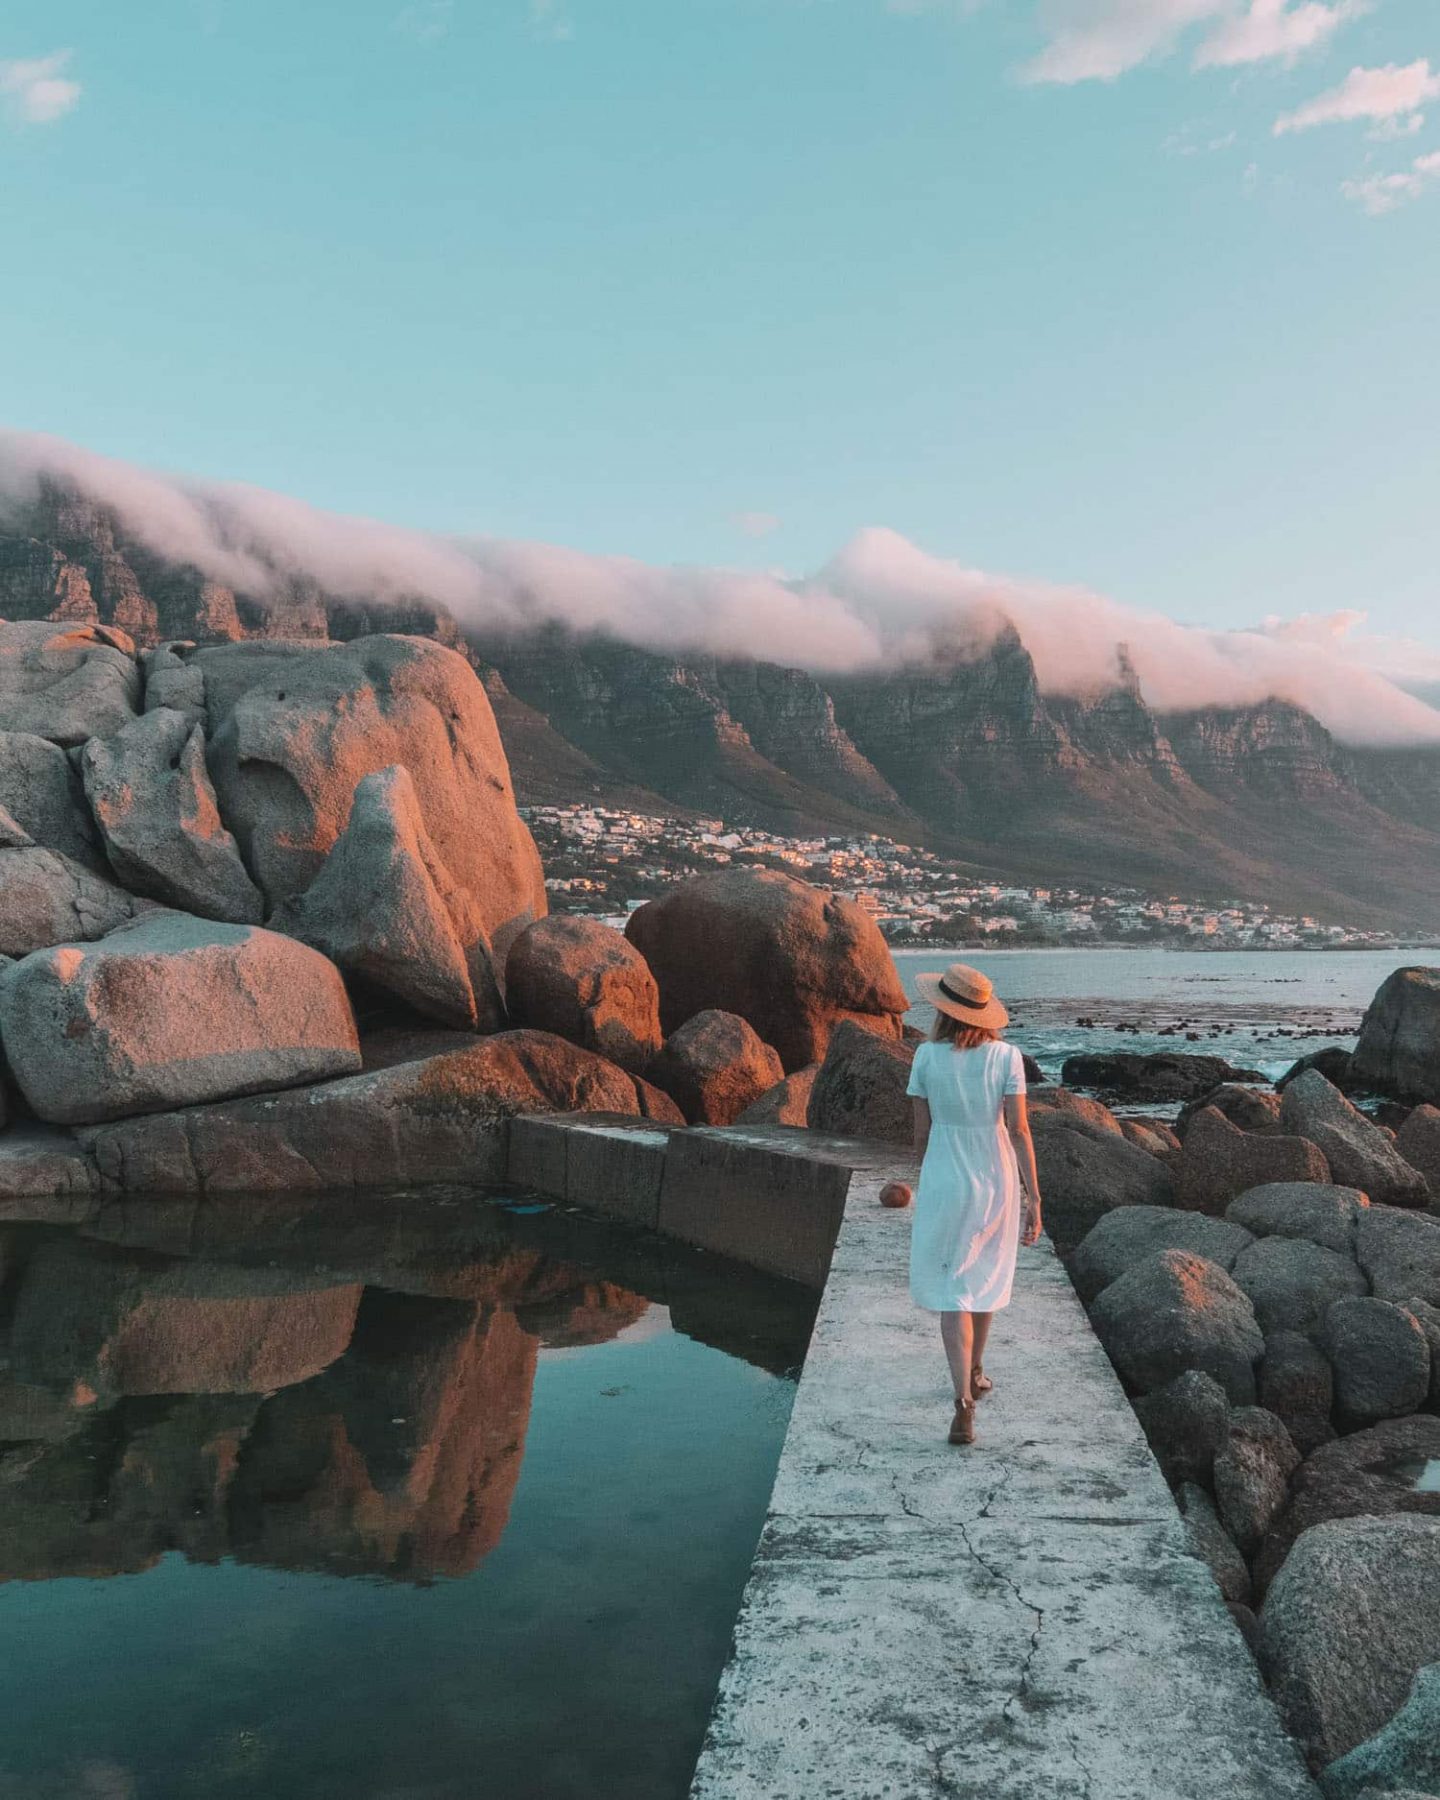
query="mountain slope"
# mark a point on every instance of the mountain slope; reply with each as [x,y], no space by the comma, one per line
[963,752]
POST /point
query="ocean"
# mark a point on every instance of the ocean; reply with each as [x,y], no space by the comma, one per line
[1258,1009]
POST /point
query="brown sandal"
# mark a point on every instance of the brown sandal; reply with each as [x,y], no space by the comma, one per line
[962,1426]
[980,1382]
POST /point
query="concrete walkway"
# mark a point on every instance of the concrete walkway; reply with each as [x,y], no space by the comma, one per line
[1017,1619]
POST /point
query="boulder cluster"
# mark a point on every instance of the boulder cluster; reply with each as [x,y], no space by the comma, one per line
[1270,1298]
[269,919]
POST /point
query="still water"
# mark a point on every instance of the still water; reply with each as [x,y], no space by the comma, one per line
[374,1500]
[1258,1009]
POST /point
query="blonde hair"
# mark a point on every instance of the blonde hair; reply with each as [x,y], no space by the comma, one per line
[959,1035]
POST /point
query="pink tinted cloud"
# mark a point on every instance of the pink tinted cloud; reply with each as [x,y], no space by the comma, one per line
[1272,30]
[1382,194]
[1393,91]
[35,91]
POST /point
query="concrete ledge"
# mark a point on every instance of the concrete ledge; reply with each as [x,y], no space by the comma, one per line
[1020,1620]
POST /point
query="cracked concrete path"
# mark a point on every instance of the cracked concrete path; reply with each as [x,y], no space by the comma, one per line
[1018,1620]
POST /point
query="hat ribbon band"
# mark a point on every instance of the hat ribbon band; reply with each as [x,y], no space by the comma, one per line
[960,999]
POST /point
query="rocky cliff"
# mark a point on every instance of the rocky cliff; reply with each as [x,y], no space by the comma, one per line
[964,752]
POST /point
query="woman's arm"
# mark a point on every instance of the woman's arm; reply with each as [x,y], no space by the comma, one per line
[1017,1122]
[922,1127]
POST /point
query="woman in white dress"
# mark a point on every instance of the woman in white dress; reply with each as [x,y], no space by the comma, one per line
[974,1137]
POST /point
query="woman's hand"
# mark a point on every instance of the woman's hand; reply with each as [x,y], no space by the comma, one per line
[1031,1226]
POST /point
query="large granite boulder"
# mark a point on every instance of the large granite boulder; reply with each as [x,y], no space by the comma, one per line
[41,795]
[791,959]
[1380,1357]
[1348,1623]
[153,801]
[48,898]
[40,1164]
[386,909]
[87,1312]
[171,1011]
[1399,1048]
[860,1088]
[294,729]
[1083,1177]
[1252,1475]
[1292,1282]
[1185,1423]
[1301,1209]
[1360,1154]
[1400,1253]
[1160,1076]
[1427,1317]
[1173,1312]
[1131,1233]
[1334,1062]
[715,1066]
[1369,1473]
[1220,1162]
[587,982]
[787,1103]
[1403,1758]
[1080,1111]
[66,682]
[443,1119]
[1295,1382]
[1252,1109]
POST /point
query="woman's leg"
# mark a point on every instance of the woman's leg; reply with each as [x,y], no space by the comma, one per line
[958,1338]
[980,1331]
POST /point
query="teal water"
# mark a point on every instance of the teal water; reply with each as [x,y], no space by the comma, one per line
[1258,1009]
[495,1548]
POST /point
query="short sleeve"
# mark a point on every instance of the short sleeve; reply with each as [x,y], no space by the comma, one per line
[1015,1074]
[916,1088]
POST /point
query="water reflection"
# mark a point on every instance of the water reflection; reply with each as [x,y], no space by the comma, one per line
[342,1388]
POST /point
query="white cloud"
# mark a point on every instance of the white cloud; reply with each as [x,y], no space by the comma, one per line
[36,92]
[1394,91]
[1275,30]
[1098,40]
[426,21]
[755,524]
[880,600]
[1382,194]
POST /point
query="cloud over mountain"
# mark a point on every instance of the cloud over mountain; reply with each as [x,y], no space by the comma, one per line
[880,600]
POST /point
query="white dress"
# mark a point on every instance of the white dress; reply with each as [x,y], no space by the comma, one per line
[966,1229]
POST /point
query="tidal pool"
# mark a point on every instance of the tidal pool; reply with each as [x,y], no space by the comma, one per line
[408,1499]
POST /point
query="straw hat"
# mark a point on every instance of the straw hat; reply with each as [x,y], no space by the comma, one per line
[965,994]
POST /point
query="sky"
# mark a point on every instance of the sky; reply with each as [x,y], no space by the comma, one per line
[1136,295]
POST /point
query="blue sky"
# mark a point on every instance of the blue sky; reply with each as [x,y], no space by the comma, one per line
[723,281]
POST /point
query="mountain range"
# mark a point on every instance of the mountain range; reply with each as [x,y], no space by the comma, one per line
[962,752]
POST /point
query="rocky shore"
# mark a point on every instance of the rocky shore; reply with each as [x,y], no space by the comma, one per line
[271,922]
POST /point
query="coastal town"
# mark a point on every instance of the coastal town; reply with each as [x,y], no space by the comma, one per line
[605,862]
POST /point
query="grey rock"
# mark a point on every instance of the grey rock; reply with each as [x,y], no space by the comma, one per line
[1360,1155]
[1348,1623]
[175,681]
[153,801]
[1185,1423]
[1174,1312]
[1220,1162]
[1085,1175]
[1380,1357]
[1210,1541]
[1399,1048]
[47,898]
[1252,1475]
[587,982]
[1418,1141]
[1252,1109]
[1081,1112]
[860,1088]
[1427,1317]
[37,1163]
[171,1011]
[41,794]
[1246,1624]
[1131,1233]
[1402,1757]
[1400,1253]
[787,1103]
[1301,1209]
[385,907]
[1369,1473]
[1292,1283]
[294,729]
[66,683]
[715,1066]
[1296,1384]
